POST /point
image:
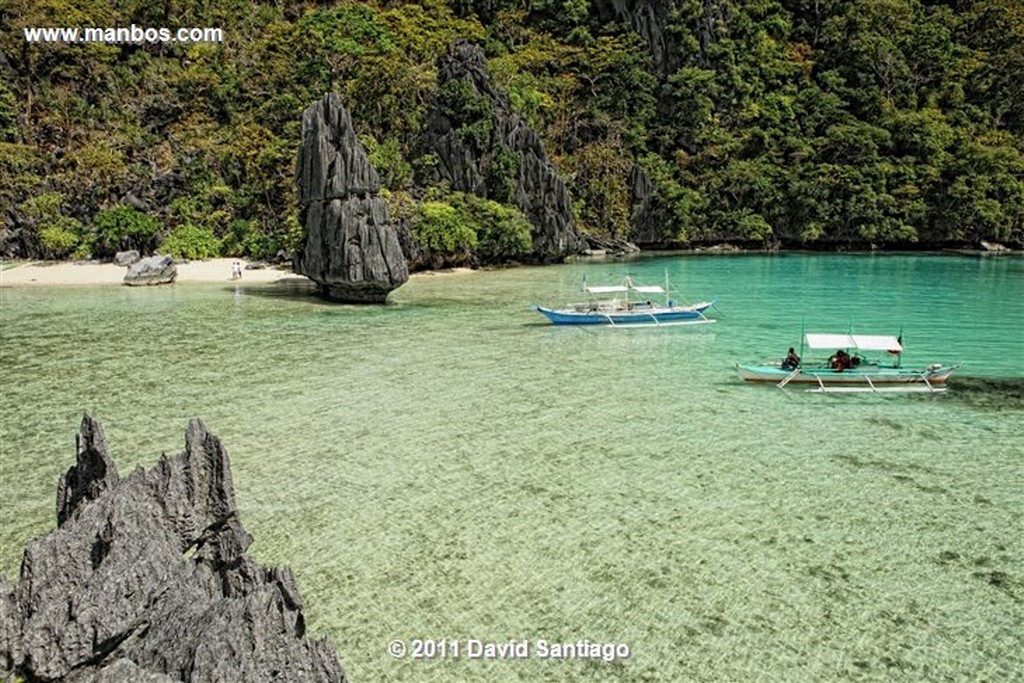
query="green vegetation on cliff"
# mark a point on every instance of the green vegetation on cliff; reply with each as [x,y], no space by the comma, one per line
[832,123]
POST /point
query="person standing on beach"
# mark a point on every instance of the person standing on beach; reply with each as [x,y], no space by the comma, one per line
[236,270]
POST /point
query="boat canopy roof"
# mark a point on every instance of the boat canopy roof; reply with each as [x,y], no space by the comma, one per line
[861,342]
[611,289]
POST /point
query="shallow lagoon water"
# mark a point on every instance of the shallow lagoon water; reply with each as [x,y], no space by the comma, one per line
[451,467]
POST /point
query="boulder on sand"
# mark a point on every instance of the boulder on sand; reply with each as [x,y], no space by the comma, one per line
[158,269]
[126,258]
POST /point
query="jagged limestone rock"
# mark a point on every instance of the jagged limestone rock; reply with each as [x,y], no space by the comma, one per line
[147,578]
[10,626]
[120,671]
[351,249]
[651,223]
[482,147]
[651,20]
[92,474]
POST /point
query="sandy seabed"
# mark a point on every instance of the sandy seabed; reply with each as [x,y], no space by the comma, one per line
[28,273]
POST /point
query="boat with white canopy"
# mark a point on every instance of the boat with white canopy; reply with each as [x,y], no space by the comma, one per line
[628,305]
[858,363]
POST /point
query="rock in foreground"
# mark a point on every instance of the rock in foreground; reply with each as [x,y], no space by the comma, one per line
[351,249]
[158,269]
[147,578]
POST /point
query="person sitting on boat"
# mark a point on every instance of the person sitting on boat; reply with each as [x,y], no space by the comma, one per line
[792,361]
[840,361]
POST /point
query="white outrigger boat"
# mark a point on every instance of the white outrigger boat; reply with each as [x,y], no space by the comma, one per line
[632,309]
[859,363]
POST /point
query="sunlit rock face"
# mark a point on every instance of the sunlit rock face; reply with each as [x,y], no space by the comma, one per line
[482,147]
[351,249]
[147,578]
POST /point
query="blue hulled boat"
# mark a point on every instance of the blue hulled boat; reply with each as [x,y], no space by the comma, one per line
[627,305]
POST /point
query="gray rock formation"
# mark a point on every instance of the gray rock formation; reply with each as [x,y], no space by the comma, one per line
[157,269]
[147,579]
[484,148]
[126,258]
[119,671]
[139,205]
[351,250]
[994,248]
[651,20]
[10,237]
[609,246]
[651,223]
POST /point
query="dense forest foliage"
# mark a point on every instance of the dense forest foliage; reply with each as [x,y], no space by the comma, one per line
[818,123]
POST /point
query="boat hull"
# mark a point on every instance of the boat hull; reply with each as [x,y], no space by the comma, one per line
[936,375]
[652,316]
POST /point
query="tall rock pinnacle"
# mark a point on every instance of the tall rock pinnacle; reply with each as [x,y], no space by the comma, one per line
[351,250]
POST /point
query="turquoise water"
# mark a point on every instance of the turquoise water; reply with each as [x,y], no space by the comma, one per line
[450,467]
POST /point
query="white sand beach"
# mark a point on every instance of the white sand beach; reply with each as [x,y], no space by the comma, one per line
[60,273]
[53,273]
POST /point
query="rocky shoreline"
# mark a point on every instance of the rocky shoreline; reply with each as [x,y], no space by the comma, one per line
[146,578]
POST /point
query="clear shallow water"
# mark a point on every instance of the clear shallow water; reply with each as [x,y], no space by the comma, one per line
[450,467]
